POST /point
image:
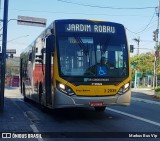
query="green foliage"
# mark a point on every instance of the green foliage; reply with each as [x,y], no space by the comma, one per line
[12,66]
[157,89]
[144,62]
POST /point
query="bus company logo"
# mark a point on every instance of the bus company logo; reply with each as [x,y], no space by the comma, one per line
[6,135]
[97,84]
[98,79]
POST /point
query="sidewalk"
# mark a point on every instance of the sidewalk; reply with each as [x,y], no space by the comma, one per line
[141,89]
[148,91]
[146,95]
[13,118]
[12,92]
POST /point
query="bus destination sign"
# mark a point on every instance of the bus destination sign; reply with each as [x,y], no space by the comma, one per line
[90,28]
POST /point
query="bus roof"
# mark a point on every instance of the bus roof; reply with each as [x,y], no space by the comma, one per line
[84,20]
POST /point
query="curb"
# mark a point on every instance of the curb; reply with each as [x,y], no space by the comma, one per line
[141,89]
[145,100]
[157,96]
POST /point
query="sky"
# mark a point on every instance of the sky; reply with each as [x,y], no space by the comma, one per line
[138,16]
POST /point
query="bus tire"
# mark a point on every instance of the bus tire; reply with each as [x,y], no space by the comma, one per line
[40,91]
[24,94]
[100,109]
[41,106]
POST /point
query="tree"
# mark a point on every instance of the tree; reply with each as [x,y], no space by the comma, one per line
[143,62]
[12,66]
[158,61]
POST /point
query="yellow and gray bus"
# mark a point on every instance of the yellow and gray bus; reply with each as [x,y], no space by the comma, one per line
[62,67]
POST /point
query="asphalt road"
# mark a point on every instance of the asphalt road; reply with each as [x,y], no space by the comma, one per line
[139,121]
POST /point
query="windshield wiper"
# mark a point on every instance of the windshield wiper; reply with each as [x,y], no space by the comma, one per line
[81,45]
[123,72]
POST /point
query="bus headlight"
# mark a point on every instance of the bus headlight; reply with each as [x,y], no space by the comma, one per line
[126,86]
[61,86]
[124,89]
[65,89]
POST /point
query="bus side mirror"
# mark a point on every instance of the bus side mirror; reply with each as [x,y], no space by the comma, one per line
[51,43]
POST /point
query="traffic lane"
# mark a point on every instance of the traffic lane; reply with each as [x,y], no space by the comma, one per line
[68,119]
[145,95]
[87,120]
[84,120]
[149,111]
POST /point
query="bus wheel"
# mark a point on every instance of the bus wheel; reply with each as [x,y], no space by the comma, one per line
[41,106]
[24,94]
[100,109]
[40,93]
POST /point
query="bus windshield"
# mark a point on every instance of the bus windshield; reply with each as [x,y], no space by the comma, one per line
[98,55]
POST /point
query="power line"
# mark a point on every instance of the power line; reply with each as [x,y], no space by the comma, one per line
[148,23]
[145,26]
[107,7]
[143,31]
[78,13]
[17,38]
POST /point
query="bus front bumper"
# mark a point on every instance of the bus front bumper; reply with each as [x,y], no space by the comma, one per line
[62,100]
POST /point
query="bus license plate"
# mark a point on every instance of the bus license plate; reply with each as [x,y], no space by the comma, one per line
[96,104]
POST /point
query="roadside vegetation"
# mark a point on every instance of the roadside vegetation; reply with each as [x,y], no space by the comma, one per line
[144,64]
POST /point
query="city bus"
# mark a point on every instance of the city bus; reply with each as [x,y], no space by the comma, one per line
[55,68]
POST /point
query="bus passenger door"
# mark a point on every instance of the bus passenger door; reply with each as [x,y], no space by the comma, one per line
[49,69]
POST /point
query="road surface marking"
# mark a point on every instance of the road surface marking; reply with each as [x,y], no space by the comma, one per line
[145,100]
[135,117]
[34,128]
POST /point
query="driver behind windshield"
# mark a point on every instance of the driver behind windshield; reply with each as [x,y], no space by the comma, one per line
[93,69]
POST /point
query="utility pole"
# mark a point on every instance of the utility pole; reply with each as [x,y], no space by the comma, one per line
[137,40]
[136,82]
[156,32]
[4,44]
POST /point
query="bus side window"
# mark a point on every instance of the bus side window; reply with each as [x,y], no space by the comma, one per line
[25,72]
